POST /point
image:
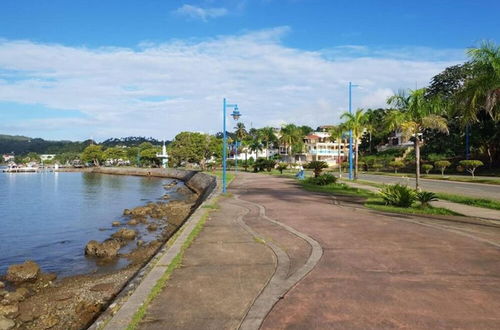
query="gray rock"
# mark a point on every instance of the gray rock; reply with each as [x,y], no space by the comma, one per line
[9,310]
[6,324]
[25,272]
[127,234]
[106,249]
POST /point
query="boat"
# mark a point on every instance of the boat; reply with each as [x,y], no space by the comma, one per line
[14,168]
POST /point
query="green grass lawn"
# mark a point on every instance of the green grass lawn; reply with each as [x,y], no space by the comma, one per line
[373,201]
[478,202]
[337,189]
[477,179]
[379,205]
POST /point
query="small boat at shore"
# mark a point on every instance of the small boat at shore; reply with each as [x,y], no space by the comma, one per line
[20,169]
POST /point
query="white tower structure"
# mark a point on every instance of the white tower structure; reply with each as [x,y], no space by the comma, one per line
[163,156]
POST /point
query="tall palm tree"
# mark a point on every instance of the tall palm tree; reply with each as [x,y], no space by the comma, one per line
[240,131]
[336,135]
[413,114]
[255,145]
[267,136]
[482,90]
[290,135]
[356,123]
[370,124]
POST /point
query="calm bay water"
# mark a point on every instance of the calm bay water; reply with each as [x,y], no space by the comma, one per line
[49,217]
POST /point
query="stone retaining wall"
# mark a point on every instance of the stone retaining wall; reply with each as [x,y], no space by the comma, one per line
[203,184]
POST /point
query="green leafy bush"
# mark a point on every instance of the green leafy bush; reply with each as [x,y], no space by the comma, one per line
[398,195]
[322,180]
[442,165]
[471,165]
[427,168]
[425,197]
[377,166]
[281,167]
[262,164]
[396,165]
[317,166]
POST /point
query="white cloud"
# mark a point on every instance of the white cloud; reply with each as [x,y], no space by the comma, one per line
[161,89]
[203,14]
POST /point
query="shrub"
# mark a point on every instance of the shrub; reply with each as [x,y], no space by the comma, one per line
[398,195]
[425,197]
[259,165]
[396,164]
[442,165]
[317,166]
[281,167]
[262,164]
[377,166]
[322,180]
[471,165]
[427,168]
[269,164]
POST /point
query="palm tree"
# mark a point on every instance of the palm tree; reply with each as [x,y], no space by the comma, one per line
[370,124]
[240,131]
[255,145]
[356,123]
[337,134]
[482,90]
[267,136]
[414,113]
[290,135]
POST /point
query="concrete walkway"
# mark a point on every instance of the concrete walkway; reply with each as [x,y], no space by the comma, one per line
[277,257]
[467,210]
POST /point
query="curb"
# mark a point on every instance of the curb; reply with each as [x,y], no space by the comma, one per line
[123,317]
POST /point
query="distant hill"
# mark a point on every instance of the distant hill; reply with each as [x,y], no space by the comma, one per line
[21,145]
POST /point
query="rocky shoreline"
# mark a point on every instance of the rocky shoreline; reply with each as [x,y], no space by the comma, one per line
[30,299]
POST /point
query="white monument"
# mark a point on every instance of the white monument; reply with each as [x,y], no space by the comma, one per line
[163,156]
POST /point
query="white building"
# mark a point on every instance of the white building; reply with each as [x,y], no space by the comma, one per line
[319,147]
[46,157]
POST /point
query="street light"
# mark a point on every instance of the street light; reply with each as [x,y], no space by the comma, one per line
[236,115]
[350,131]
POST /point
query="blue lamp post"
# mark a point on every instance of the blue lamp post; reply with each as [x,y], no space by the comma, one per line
[236,115]
[350,132]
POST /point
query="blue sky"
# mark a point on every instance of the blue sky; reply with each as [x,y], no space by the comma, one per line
[74,69]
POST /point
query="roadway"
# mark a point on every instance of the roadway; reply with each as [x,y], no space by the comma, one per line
[477,190]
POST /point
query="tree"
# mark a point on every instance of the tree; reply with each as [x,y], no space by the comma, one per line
[281,167]
[290,135]
[356,123]
[442,165]
[414,113]
[482,89]
[267,136]
[427,168]
[396,164]
[471,165]
[148,156]
[114,153]
[240,131]
[255,146]
[32,157]
[317,167]
[197,148]
[93,153]
[336,135]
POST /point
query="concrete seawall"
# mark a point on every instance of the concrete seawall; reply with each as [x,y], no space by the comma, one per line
[201,183]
